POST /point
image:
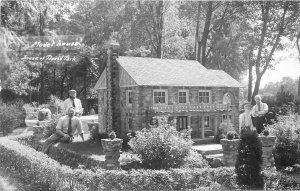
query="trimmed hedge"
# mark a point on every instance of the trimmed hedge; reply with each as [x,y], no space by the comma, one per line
[61,154]
[37,168]
[44,173]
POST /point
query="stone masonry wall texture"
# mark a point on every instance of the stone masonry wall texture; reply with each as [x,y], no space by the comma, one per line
[142,98]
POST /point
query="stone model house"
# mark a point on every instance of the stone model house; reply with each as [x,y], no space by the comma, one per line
[191,95]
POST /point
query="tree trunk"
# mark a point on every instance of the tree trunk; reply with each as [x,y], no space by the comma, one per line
[159,26]
[197,34]
[53,89]
[256,88]
[206,31]
[250,82]
[42,98]
[42,95]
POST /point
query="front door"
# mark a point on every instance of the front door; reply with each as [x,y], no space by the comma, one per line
[181,123]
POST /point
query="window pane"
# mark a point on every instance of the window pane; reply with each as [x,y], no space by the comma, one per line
[155,93]
[163,100]
[163,93]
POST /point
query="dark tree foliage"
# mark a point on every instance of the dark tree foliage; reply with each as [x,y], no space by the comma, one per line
[249,159]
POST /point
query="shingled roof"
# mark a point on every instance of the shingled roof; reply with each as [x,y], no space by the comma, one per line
[170,72]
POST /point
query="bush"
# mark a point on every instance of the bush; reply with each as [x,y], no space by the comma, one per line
[50,126]
[278,180]
[38,169]
[9,118]
[161,147]
[286,152]
[232,135]
[194,160]
[56,105]
[248,163]
[222,130]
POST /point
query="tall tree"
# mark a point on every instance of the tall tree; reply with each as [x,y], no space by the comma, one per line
[277,19]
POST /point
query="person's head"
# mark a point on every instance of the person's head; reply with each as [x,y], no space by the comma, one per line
[247,107]
[257,98]
[71,112]
[72,93]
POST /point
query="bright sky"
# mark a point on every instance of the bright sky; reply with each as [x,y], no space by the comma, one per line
[287,65]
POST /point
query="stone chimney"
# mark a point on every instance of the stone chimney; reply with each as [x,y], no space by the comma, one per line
[113,90]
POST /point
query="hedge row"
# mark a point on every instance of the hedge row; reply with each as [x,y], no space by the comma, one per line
[37,168]
[61,154]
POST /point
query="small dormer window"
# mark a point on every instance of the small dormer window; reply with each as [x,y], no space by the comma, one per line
[129,97]
[160,96]
[183,96]
[204,96]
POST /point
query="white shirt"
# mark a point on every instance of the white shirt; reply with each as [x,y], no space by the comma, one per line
[263,110]
[63,124]
[69,103]
[245,120]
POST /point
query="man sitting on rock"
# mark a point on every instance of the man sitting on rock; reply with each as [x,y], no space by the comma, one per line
[65,129]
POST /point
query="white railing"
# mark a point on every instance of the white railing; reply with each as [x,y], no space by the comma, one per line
[190,108]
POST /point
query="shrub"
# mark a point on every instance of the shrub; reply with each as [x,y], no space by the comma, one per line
[56,105]
[38,169]
[161,147]
[9,118]
[249,159]
[232,135]
[194,160]
[278,180]
[50,125]
[286,152]
[222,131]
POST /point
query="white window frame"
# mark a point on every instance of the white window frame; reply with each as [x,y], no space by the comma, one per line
[166,96]
[127,97]
[187,96]
[209,98]
[209,121]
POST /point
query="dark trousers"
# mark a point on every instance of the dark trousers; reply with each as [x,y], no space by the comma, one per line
[259,122]
[54,138]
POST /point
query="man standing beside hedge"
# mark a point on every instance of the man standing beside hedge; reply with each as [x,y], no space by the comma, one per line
[65,129]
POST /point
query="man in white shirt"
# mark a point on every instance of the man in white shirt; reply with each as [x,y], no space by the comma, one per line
[65,130]
[258,113]
[245,119]
[72,101]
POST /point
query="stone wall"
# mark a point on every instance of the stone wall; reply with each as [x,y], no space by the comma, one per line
[142,98]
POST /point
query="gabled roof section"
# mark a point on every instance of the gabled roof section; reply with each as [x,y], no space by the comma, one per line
[170,72]
[101,83]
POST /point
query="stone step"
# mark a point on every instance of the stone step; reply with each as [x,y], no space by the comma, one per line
[208,140]
[215,156]
[208,149]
